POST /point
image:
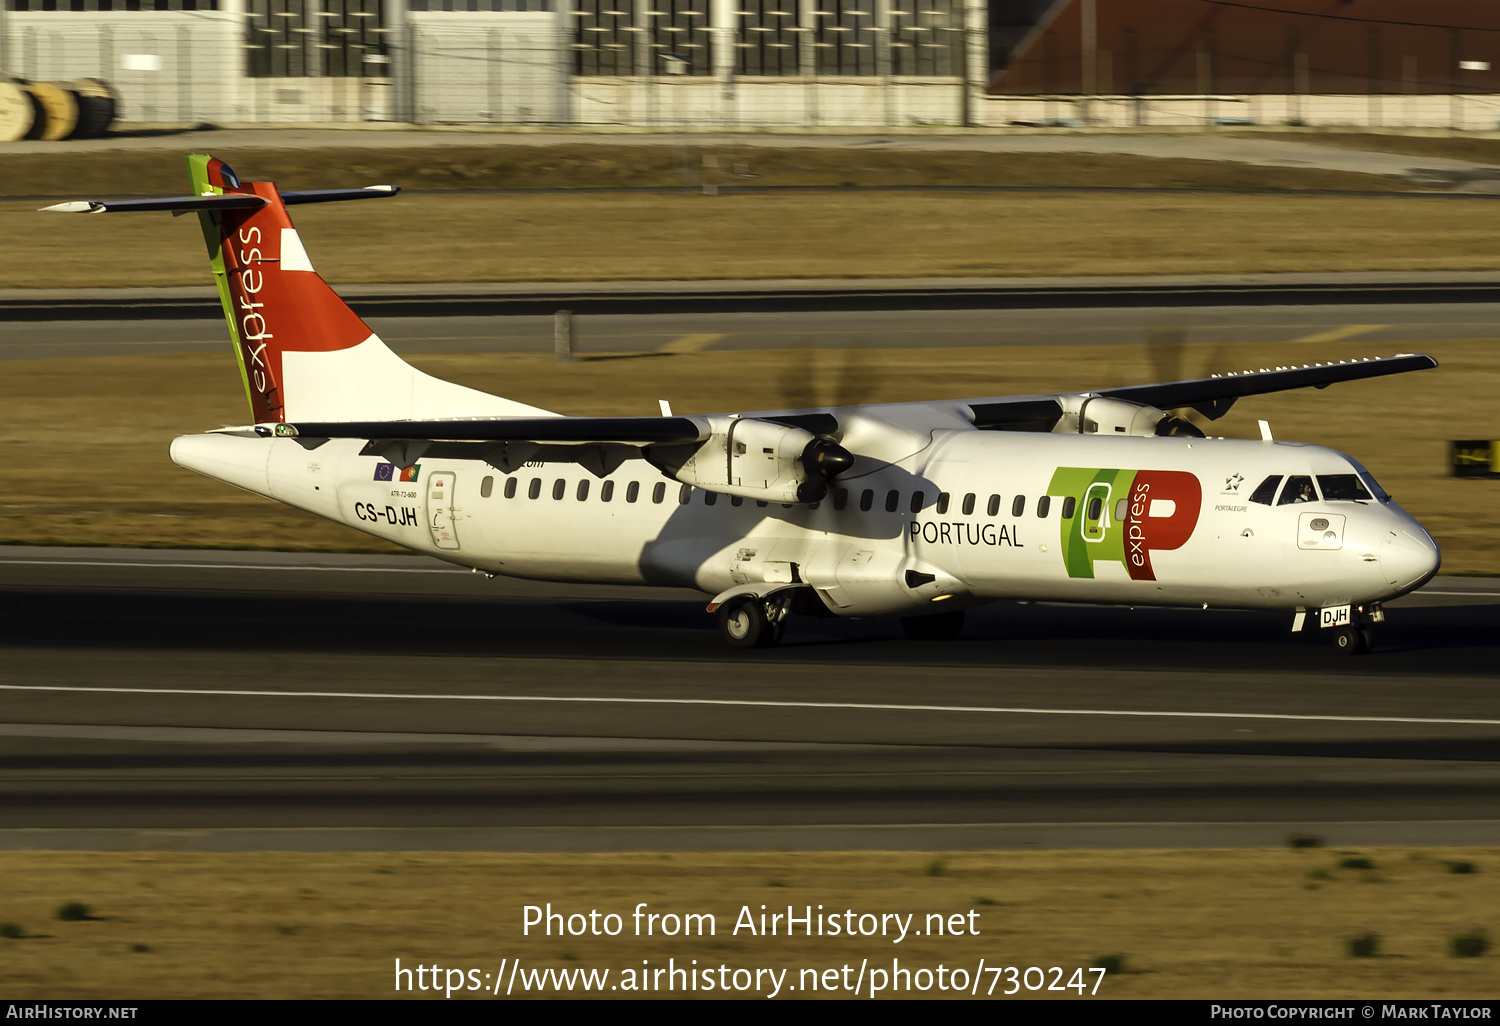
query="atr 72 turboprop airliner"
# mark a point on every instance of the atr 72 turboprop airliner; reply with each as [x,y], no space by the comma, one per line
[914,510]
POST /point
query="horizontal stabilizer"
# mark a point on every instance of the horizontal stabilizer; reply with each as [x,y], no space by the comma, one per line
[1213,396]
[225,201]
[636,430]
[180,203]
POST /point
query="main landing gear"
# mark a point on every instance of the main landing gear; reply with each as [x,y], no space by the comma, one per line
[748,621]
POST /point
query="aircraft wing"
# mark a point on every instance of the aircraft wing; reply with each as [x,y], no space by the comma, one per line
[1211,396]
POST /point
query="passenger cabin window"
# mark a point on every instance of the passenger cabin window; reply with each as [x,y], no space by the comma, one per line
[994,505]
[1018,506]
[583,490]
[1122,506]
[510,488]
[684,494]
[559,488]
[632,491]
[606,491]
[762,503]
[487,488]
[917,498]
[1070,504]
[1043,505]
[736,500]
[840,498]
[942,505]
[534,490]
[1299,488]
[866,500]
[968,506]
[1265,492]
[659,492]
[892,500]
[709,498]
[1096,506]
[1342,488]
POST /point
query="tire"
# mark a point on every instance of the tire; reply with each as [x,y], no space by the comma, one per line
[937,627]
[743,622]
[1352,641]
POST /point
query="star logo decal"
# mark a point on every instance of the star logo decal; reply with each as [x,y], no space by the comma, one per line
[1232,482]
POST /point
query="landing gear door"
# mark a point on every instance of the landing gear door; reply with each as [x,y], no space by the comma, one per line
[440,512]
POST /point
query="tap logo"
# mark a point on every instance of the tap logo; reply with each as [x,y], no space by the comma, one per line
[1123,516]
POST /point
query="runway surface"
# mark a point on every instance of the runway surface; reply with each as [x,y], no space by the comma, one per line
[211,701]
[1385,327]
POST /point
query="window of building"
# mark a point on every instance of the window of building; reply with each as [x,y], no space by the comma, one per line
[316,39]
[659,37]
[845,37]
[927,38]
[769,37]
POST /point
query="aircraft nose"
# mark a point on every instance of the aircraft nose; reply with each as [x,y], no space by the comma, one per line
[1409,558]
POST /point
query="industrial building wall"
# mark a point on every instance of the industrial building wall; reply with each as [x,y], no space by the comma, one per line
[647,63]
[1285,47]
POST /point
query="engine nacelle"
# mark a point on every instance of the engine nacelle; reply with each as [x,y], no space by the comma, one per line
[1104,415]
[760,459]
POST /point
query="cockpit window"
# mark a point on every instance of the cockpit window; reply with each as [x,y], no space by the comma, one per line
[1299,488]
[1370,482]
[1343,488]
[1265,492]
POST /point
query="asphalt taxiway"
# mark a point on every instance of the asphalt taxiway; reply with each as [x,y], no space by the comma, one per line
[209,700]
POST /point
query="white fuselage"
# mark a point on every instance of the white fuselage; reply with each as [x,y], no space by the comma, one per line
[1118,524]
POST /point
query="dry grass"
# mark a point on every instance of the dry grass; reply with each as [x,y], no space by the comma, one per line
[595,236]
[505,164]
[90,436]
[1191,924]
[1484,149]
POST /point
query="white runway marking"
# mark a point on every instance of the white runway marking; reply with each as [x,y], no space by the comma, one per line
[754,704]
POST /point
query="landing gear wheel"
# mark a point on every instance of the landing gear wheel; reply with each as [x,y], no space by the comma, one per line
[938,627]
[744,623]
[1353,641]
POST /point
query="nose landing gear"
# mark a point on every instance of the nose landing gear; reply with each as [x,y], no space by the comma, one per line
[1353,640]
